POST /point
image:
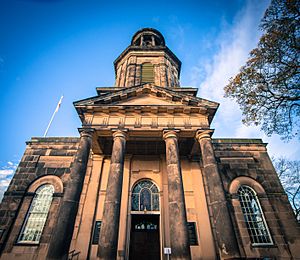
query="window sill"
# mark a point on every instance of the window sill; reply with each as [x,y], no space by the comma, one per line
[26,244]
[263,246]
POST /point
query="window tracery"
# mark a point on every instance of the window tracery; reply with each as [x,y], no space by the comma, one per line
[37,215]
[253,215]
[145,196]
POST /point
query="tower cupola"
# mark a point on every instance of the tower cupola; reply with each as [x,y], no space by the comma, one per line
[147,60]
[148,38]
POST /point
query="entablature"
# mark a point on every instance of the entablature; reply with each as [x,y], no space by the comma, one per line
[137,109]
[142,117]
[182,90]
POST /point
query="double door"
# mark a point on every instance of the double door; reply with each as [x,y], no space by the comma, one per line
[144,237]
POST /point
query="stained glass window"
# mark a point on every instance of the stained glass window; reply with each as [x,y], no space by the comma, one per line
[254,218]
[37,215]
[145,196]
[145,199]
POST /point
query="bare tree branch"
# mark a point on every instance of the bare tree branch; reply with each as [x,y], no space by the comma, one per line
[289,175]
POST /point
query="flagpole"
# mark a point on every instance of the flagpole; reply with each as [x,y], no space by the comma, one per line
[55,111]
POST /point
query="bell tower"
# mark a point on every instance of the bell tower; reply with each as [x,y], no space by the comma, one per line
[147,60]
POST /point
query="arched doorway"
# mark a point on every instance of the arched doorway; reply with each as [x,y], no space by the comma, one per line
[144,235]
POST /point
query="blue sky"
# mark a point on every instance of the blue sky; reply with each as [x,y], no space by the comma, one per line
[54,47]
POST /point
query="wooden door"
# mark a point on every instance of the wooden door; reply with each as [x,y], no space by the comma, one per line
[144,238]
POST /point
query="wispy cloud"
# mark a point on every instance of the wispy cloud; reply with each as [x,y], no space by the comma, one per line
[177,32]
[234,43]
[6,174]
[156,19]
[2,62]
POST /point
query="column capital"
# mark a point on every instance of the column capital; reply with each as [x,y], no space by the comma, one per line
[170,134]
[120,133]
[200,134]
[86,132]
[98,157]
[128,156]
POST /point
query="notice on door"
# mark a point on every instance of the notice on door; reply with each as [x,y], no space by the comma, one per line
[167,250]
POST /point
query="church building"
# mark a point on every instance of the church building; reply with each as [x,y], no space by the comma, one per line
[146,179]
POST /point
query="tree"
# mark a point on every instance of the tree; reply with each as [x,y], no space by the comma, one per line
[267,88]
[289,175]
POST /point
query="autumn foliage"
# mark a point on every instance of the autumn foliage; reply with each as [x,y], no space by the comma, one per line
[267,88]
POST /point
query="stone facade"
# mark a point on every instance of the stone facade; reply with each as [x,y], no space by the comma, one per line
[45,160]
[146,179]
[247,162]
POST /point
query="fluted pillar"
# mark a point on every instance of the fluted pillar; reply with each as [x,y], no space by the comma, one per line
[63,231]
[223,231]
[108,239]
[178,221]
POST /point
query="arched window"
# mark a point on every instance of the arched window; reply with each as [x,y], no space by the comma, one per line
[37,215]
[145,196]
[254,218]
[147,73]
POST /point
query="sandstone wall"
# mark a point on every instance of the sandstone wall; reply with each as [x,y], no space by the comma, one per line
[247,162]
[44,161]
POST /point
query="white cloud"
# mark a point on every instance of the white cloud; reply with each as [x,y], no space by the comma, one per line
[6,174]
[279,148]
[4,183]
[248,132]
[233,46]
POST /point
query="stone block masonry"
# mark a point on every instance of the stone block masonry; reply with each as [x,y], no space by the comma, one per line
[50,156]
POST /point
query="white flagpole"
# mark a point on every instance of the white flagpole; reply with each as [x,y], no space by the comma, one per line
[56,109]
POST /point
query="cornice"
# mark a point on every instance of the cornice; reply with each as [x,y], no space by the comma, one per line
[160,92]
[184,90]
[148,49]
[182,103]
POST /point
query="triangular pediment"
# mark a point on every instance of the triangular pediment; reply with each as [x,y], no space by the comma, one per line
[147,100]
[143,97]
[147,94]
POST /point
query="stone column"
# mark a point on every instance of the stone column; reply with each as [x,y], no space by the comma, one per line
[63,230]
[108,239]
[152,40]
[226,243]
[178,222]
[142,41]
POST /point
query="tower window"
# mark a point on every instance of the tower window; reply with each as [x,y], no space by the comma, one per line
[145,196]
[254,218]
[34,223]
[147,73]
